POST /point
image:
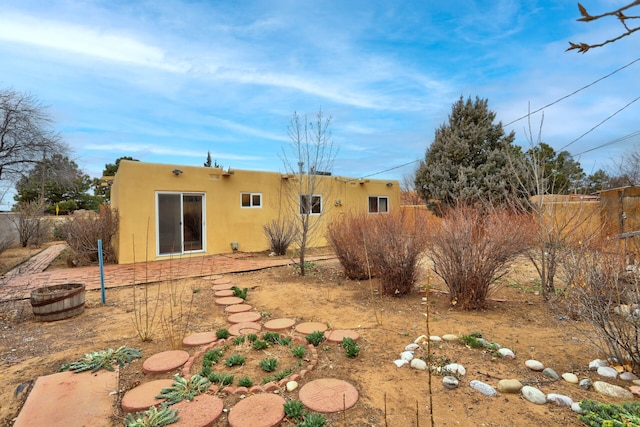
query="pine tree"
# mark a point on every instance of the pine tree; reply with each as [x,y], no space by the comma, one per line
[469,160]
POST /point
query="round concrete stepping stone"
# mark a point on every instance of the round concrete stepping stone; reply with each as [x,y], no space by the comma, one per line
[143,397]
[237,308]
[308,327]
[166,361]
[243,317]
[220,281]
[229,301]
[199,338]
[258,410]
[338,334]
[215,276]
[223,287]
[328,395]
[202,411]
[223,293]
[279,324]
[245,328]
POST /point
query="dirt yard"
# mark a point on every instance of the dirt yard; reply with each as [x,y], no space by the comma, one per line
[517,319]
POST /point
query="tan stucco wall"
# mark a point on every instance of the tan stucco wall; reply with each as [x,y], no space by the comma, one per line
[136,185]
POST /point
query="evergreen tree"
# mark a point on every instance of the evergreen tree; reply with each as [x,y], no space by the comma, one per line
[101,188]
[469,160]
[57,181]
[561,173]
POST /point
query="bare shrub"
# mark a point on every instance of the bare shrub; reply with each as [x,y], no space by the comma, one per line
[606,294]
[280,233]
[470,250]
[346,236]
[85,229]
[395,245]
[29,222]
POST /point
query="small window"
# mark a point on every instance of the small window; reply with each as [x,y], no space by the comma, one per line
[378,204]
[310,204]
[251,200]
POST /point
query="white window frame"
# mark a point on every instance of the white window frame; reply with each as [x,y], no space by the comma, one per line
[378,198]
[312,196]
[251,196]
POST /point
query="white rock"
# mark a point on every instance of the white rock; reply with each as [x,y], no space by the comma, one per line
[455,369]
[435,338]
[450,382]
[560,399]
[506,353]
[612,390]
[411,347]
[575,407]
[406,355]
[607,372]
[400,362]
[419,364]
[570,378]
[450,337]
[292,385]
[420,339]
[534,365]
[628,376]
[596,363]
[534,395]
[483,388]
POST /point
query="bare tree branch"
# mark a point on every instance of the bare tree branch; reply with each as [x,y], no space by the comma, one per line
[618,13]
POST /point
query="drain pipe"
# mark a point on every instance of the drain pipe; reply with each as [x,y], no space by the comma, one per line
[101,271]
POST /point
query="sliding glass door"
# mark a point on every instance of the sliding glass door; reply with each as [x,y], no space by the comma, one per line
[180,223]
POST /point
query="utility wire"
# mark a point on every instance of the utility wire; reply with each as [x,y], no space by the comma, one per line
[574,92]
[615,141]
[596,126]
[549,105]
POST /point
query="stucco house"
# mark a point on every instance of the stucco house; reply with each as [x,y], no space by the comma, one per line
[168,210]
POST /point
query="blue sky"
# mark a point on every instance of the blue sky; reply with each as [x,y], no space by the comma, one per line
[166,81]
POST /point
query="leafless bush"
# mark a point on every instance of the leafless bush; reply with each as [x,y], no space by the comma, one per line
[32,227]
[395,245]
[280,233]
[85,229]
[470,249]
[346,236]
[605,291]
[5,243]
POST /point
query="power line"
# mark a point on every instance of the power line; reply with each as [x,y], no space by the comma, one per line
[390,169]
[574,92]
[615,141]
[596,126]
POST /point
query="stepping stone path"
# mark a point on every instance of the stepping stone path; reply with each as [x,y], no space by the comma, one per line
[202,411]
[223,293]
[222,287]
[338,334]
[306,328]
[229,301]
[328,395]
[166,361]
[279,324]
[237,308]
[143,397]
[245,328]
[199,338]
[258,410]
[243,317]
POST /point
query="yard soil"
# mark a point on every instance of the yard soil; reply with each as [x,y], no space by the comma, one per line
[516,318]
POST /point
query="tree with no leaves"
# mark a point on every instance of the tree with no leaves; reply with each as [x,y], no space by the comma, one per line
[26,136]
[308,161]
[619,14]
